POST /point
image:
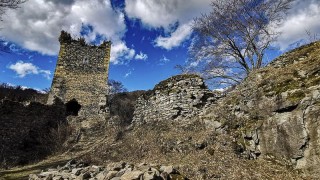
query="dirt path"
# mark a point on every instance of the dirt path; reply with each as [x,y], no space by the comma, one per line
[23,172]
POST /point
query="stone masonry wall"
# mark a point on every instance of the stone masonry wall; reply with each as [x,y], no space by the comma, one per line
[81,74]
[176,98]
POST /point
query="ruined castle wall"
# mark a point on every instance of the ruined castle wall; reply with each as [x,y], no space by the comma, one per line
[176,98]
[81,74]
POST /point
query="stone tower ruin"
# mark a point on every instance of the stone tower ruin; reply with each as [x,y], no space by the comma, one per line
[80,78]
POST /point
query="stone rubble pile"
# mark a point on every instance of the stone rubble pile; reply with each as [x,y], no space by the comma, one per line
[176,98]
[113,171]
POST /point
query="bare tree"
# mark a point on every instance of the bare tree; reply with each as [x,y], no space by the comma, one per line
[115,87]
[312,37]
[4,6]
[232,39]
[9,4]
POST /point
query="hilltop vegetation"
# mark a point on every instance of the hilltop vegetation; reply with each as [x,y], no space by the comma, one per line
[20,94]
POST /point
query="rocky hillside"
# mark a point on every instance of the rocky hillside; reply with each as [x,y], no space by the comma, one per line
[274,114]
[265,128]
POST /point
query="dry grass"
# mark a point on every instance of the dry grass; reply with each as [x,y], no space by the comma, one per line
[173,144]
[170,144]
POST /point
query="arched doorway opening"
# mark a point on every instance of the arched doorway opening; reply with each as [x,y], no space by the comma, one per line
[73,107]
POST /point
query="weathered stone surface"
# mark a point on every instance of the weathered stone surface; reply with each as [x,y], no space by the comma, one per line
[33,177]
[286,132]
[176,98]
[176,177]
[149,175]
[116,166]
[310,158]
[81,75]
[133,175]
[274,113]
[76,171]
[167,169]
[57,178]
[116,178]
[111,174]
[113,171]
[84,176]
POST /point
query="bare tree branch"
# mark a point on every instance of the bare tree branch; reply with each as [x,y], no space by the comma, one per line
[4,6]
[9,4]
[236,33]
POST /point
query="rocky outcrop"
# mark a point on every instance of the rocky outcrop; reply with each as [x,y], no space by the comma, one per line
[274,113]
[113,171]
[176,98]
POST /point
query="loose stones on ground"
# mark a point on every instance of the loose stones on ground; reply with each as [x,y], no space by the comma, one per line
[113,171]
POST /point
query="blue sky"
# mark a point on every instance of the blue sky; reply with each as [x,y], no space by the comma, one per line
[149,37]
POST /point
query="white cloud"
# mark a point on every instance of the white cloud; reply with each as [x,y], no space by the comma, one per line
[165,13]
[176,38]
[37,24]
[45,73]
[120,50]
[164,60]
[155,13]
[149,10]
[23,69]
[305,15]
[141,56]
[128,73]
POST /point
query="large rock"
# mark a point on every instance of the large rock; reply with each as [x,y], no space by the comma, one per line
[133,175]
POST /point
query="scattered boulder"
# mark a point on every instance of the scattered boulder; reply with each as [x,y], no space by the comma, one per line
[113,171]
[132,175]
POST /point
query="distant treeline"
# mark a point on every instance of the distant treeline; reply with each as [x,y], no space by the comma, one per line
[123,105]
[20,94]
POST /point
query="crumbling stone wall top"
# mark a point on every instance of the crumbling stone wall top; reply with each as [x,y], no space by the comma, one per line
[65,38]
[176,98]
[172,80]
